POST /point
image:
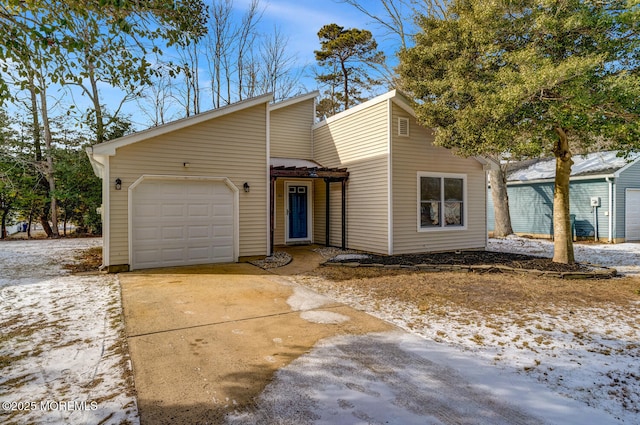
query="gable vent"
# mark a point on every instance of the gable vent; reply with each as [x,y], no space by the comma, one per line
[403,126]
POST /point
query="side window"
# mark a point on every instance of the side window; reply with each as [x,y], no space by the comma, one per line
[441,202]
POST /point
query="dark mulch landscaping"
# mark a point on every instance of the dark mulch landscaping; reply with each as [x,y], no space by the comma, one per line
[470,258]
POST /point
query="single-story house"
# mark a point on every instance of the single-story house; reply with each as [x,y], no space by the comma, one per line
[237,181]
[604,197]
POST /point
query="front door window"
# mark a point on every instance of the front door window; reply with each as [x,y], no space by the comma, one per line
[298,212]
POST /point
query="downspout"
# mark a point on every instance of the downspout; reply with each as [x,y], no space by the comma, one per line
[486,170]
[390,177]
[611,205]
[271,187]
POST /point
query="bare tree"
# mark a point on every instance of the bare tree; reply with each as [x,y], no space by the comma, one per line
[219,41]
[278,74]
[155,101]
[245,39]
[189,97]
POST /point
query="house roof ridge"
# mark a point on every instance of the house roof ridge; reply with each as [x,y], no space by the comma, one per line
[109,147]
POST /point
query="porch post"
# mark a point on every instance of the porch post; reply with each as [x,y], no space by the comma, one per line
[271,213]
[344,214]
[327,210]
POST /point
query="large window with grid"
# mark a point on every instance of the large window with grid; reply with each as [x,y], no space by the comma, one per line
[441,201]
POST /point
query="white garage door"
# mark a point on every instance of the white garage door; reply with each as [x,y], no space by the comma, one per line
[182,222]
[632,215]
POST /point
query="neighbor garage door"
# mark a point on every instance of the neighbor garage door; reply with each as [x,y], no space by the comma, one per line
[182,222]
[632,218]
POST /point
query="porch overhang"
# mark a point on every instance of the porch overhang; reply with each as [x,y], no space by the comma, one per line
[329,175]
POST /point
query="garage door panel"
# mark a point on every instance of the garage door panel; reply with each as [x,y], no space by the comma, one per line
[199,253]
[173,211]
[145,256]
[146,210]
[632,218]
[182,223]
[195,232]
[222,231]
[173,232]
[223,252]
[149,234]
[199,210]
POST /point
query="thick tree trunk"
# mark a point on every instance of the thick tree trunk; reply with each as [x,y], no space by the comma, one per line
[563,242]
[502,217]
[44,222]
[3,227]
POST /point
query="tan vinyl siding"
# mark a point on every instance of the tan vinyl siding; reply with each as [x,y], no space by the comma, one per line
[353,138]
[278,231]
[291,130]
[367,206]
[319,211]
[416,153]
[358,142]
[232,146]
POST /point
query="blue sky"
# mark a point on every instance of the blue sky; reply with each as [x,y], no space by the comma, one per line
[297,20]
[302,19]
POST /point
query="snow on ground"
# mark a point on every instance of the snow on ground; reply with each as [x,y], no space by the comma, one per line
[624,257]
[63,357]
[577,366]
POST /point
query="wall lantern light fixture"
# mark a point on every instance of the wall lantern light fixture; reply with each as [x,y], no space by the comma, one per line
[118,184]
[246,187]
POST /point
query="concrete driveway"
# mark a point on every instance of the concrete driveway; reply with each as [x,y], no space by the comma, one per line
[206,340]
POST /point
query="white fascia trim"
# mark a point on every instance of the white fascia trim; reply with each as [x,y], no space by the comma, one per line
[294,100]
[357,108]
[488,163]
[401,101]
[97,163]
[390,177]
[109,148]
[623,169]
[106,213]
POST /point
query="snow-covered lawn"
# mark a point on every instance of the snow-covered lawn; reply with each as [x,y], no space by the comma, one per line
[590,355]
[63,355]
[624,257]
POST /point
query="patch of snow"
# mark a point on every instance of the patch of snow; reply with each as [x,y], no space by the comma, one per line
[590,163]
[62,338]
[343,257]
[306,299]
[324,317]
[398,378]
[577,365]
[624,257]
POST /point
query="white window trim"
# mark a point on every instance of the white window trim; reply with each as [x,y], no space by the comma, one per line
[442,176]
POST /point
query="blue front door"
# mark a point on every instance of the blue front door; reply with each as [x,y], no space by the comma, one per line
[298,212]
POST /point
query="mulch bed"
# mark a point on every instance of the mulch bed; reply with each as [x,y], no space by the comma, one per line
[470,258]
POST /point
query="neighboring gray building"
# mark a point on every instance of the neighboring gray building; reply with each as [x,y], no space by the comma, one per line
[604,197]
